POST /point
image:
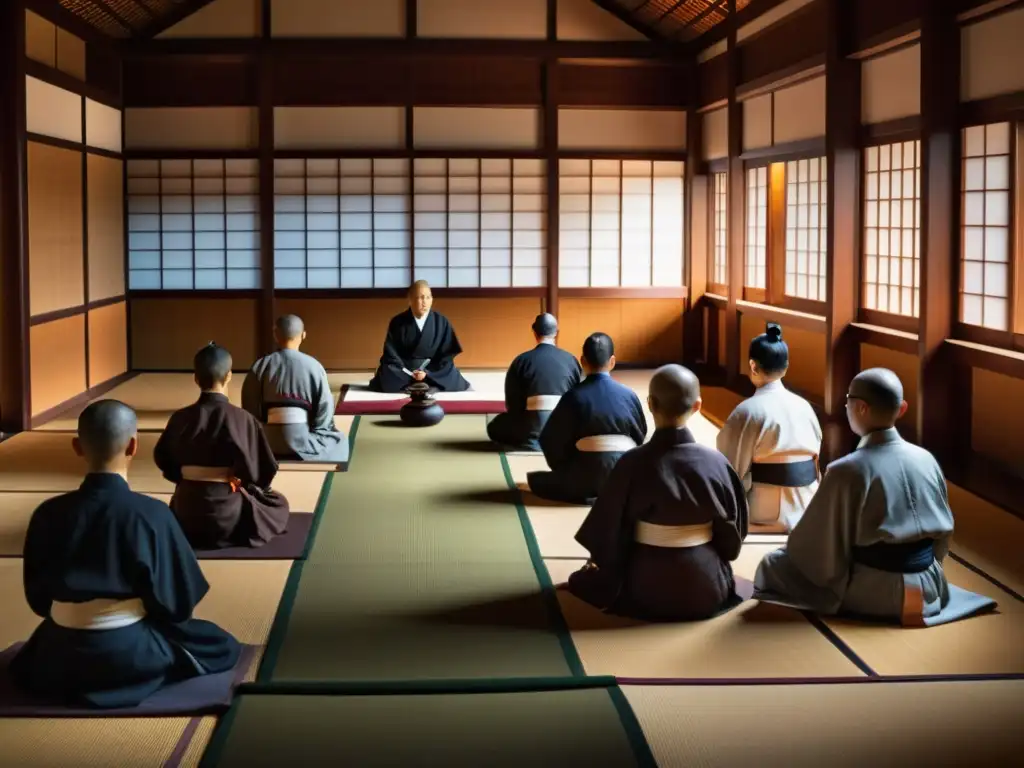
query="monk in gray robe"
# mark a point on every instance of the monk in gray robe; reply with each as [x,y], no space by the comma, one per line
[668,522]
[289,393]
[872,541]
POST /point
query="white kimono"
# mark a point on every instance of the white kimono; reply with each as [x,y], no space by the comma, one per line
[774,426]
[872,542]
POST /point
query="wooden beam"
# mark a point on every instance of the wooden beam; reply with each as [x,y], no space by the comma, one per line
[940,198]
[736,205]
[695,259]
[266,314]
[15,411]
[629,19]
[843,159]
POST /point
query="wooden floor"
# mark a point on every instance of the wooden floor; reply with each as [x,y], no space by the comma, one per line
[734,679]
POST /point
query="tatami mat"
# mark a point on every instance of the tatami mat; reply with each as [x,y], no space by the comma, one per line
[486,385]
[848,725]
[987,644]
[547,729]
[751,641]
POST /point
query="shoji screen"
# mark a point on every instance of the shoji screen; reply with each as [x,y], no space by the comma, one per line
[342,223]
[621,223]
[193,224]
[806,228]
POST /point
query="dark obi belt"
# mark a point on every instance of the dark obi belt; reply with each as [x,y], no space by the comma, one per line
[795,474]
[906,557]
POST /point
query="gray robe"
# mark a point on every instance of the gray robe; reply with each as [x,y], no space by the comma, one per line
[290,378]
[887,492]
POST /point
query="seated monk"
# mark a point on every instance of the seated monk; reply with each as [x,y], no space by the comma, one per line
[534,384]
[773,439]
[872,541]
[593,424]
[116,582]
[221,464]
[666,525]
[420,346]
[289,393]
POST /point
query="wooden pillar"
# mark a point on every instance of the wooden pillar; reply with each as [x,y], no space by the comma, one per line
[843,159]
[940,188]
[695,258]
[550,145]
[736,205]
[15,408]
[266,313]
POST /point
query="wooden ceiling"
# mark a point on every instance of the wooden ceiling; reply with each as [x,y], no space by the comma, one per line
[677,20]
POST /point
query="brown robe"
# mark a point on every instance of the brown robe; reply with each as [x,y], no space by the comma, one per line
[214,433]
[672,480]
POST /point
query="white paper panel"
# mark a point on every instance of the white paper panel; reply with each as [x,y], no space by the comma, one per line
[476,128]
[52,111]
[716,134]
[800,111]
[519,19]
[622,129]
[102,126]
[757,122]
[339,127]
[585,20]
[191,128]
[891,86]
[337,18]
[991,59]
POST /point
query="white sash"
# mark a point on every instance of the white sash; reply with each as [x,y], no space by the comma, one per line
[206,474]
[605,444]
[542,402]
[287,414]
[99,614]
[676,536]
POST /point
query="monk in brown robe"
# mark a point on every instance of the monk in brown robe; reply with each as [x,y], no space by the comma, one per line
[222,465]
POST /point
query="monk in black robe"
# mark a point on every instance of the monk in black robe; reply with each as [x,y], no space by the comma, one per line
[222,464]
[668,522]
[116,582]
[421,345]
[534,385]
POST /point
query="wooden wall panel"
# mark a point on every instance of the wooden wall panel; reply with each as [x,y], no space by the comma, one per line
[106,227]
[54,229]
[996,424]
[799,38]
[40,39]
[757,122]
[622,129]
[716,134]
[991,56]
[108,343]
[493,80]
[903,365]
[57,362]
[166,333]
[874,20]
[337,18]
[190,81]
[713,81]
[723,341]
[516,19]
[188,128]
[602,85]
[645,331]
[891,86]
[70,54]
[806,354]
[492,331]
[221,18]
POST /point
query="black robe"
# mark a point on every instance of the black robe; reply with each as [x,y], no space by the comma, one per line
[672,480]
[544,370]
[214,433]
[598,405]
[104,541]
[405,346]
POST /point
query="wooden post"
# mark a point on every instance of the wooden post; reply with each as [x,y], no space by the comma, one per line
[736,235]
[695,258]
[266,313]
[15,408]
[940,189]
[550,144]
[843,160]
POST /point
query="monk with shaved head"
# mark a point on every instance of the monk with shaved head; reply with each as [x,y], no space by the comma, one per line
[289,393]
[420,346]
[873,539]
[669,521]
[115,581]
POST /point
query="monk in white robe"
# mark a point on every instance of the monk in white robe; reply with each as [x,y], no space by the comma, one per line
[773,439]
[872,541]
[289,393]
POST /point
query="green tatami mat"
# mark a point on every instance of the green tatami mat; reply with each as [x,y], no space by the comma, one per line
[420,571]
[560,729]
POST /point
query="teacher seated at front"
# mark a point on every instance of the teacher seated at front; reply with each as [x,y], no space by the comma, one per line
[421,345]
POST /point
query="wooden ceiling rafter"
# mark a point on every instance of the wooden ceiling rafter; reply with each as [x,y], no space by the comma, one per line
[674,20]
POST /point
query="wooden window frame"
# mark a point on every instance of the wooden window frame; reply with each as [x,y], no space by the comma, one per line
[1013,337]
[721,289]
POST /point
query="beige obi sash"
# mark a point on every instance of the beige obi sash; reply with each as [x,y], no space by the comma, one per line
[605,444]
[675,536]
[287,414]
[99,614]
[542,402]
[206,474]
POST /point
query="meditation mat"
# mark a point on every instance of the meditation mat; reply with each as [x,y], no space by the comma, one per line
[413,546]
[44,461]
[986,644]
[541,729]
[846,725]
[290,545]
[354,401]
[988,538]
[752,640]
[207,694]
